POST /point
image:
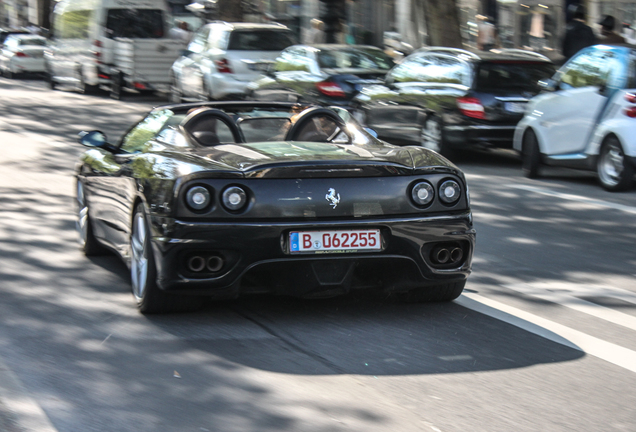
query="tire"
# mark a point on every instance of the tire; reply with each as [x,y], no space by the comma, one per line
[437,293]
[614,171]
[116,87]
[88,243]
[8,74]
[176,95]
[432,137]
[530,155]
[143,273]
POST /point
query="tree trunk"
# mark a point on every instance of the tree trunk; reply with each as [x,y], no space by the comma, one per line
[442,23]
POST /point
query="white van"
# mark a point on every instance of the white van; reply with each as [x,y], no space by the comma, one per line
[88,34]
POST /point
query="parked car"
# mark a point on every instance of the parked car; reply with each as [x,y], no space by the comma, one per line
[227,198]
[21,54]
[323,74]
[223,58]
[585,118]
[5,32]
[111,44]
[448,99]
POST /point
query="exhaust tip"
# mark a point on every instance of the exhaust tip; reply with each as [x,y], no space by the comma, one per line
[456,255]
[215,263]
[441,255]
[196,263]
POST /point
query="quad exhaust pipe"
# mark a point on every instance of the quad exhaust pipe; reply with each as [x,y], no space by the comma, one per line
[199,263]
[447,255]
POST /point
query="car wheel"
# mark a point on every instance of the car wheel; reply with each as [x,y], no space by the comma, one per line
[432,137]
[438,293]
[88,243]
[615,173]
[8,74]
[530,155]
[83,87]
[176,95]
[143,274]
[116,87]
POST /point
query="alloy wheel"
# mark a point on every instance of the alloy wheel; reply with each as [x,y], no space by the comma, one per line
[139,257]
[611,164]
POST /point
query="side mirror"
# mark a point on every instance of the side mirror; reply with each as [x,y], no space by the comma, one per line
[95,139]
[549,85]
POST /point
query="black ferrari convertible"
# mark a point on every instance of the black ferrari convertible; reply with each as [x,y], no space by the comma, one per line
[223,199]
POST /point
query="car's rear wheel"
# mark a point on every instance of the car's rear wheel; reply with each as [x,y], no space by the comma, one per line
[143,273]
[530,155]
[615,173]
[432,136]
[88,243]
[438,293]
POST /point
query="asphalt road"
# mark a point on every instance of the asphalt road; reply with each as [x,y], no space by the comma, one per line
[542,339]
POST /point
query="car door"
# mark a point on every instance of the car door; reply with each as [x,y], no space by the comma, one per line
[570,113]
[111,183]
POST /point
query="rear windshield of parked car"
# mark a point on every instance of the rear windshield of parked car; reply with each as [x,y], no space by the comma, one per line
[260,40]
[354,59]
[502,75]
[134,23]
[32,41]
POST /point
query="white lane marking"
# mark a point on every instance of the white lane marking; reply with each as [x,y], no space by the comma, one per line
[30,416]
[565,298]
[555,332]
[579,198]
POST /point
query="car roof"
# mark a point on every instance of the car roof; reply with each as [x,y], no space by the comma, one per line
[247,25]
[494,55]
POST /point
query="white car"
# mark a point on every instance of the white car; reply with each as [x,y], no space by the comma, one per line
[585,118]
[223,58]
[22,53]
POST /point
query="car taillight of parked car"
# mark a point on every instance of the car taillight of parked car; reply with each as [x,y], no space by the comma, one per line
[471,107]
[330,89]
[223,66]
[21,54]
[630,111]
[97,50]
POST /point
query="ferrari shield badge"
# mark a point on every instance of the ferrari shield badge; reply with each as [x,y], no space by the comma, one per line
[333,197]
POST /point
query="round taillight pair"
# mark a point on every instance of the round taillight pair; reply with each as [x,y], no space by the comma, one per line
[423,193]
[233,198]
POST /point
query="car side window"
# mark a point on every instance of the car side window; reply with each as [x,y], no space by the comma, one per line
[293,60]
[590,68]
[433,69]
[198,43]
[137,138]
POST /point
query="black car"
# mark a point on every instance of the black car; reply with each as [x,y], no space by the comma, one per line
[227,198]
[327,74]
[446,99]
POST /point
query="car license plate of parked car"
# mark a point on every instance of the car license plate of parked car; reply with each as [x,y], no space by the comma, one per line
[515,107]
[341,240]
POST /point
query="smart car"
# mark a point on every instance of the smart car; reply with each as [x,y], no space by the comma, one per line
[232,198]
[585,118]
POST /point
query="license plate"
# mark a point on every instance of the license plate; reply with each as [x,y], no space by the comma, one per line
[342,240]
[515,107]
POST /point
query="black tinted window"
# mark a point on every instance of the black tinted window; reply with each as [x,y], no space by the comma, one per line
[502,75]
[260,40]
[354,59]
[134,23]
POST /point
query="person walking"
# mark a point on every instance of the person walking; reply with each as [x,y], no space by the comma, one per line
[316,33]
[608,35]
[578,34]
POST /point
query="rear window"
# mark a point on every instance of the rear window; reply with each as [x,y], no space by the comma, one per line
[32,41]
[134,23]
[517,75]
[354,59]
[260,40]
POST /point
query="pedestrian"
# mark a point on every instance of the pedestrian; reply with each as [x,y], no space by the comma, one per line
[578,35]
[486,34]
[316,32]
[608,35]
[181,31]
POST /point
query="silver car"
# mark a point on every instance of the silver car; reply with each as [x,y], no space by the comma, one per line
[223,58]
[22,53]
